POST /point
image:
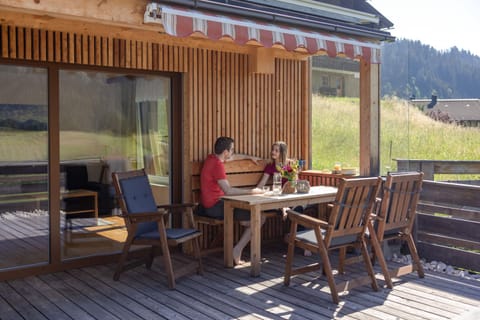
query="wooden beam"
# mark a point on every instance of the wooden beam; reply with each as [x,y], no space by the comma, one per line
[262,60]
[369,119]
[112,12]
[113,26]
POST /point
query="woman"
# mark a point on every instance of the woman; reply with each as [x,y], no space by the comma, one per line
[278,156]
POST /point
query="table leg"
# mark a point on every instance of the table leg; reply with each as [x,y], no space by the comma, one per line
[255,242]
[228,234]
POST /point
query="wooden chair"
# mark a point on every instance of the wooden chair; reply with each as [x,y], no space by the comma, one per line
[347,224]
[146,225]
[397,214]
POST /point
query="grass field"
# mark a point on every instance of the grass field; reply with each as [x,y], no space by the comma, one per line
[406,133]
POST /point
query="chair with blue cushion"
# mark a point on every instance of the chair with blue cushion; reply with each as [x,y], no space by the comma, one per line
[147,223]
[349,219]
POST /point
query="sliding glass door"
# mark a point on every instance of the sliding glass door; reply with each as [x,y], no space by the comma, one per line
[108,122]
[24,206]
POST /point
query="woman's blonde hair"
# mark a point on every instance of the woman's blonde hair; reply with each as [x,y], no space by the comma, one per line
[282,145]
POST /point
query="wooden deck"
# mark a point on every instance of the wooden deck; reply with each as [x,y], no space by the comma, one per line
[90,293]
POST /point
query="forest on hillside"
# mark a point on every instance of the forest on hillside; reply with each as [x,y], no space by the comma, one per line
[411,69]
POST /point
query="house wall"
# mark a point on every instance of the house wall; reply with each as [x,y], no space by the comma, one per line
[340,84]
[222,96]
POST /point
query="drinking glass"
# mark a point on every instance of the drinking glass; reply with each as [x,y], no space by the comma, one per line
[277,189]
[277,184]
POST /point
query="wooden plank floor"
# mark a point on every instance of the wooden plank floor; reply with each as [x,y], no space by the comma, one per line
[90,293]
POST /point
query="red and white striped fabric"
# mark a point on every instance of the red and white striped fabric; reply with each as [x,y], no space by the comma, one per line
[182,22]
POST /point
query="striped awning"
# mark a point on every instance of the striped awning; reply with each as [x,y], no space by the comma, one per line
[183,22]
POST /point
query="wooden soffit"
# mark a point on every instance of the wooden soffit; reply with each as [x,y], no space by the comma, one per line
[122,19]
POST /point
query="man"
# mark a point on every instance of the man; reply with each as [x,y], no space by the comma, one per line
[214,185]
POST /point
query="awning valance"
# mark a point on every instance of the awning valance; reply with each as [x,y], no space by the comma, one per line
[183,22]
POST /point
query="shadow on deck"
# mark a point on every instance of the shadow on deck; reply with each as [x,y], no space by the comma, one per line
[90,293]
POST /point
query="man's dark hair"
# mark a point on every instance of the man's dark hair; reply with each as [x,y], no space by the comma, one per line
[223,143]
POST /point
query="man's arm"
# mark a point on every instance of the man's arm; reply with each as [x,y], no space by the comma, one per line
[231,191]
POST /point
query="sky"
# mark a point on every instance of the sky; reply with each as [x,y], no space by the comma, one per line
[441,24]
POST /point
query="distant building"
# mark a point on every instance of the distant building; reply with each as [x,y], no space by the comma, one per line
[465,112]
[335,77]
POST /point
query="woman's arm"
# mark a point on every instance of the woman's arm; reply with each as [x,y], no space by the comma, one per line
[231,191]
[263,181]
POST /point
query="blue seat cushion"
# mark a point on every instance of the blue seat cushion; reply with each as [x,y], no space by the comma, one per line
[171,234]
[309,237]
[138,197]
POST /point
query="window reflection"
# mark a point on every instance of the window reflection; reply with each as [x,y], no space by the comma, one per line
[24,209]
[109,122]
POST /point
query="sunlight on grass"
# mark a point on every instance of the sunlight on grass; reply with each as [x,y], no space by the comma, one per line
[406,133]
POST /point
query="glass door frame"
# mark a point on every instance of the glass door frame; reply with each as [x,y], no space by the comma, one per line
[55,262]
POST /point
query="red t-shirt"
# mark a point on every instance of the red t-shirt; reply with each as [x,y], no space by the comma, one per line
[212,171]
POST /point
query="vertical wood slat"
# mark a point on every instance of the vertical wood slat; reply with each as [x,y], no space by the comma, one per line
[128,53]
[28,43]
[84,49]
[36,44]
[57,47]
[44,45]
[98,51]
[148,56]
[4,41]
[110,52]
[104,51]
[64,47]
[20,43]
[91,50]
[12,50]
[50,45]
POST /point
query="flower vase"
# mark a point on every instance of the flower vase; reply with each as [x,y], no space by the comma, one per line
[289,187]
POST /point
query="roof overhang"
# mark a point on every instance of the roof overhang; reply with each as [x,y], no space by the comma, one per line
[185,22]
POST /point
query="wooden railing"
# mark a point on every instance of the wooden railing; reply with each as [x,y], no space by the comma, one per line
[432,167]
[448,224]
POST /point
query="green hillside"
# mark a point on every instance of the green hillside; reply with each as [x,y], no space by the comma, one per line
[405,133]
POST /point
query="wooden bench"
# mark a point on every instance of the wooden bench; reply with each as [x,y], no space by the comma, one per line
[240,174]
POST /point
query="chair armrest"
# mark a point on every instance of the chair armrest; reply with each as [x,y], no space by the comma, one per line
[305,220]
[145,217]
[185,209]
[176,206]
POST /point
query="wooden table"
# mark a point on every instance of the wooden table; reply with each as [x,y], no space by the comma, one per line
[258,203]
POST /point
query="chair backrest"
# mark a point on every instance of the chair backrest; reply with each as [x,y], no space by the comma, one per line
[401,192]
[351,210]
[135,196]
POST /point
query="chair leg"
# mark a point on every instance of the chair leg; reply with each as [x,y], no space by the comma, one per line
[341,260]
[123,258]
[167,260]
[327,269]
[368,265]
[290,252]
[377,251]
[415,257]
[197,255]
